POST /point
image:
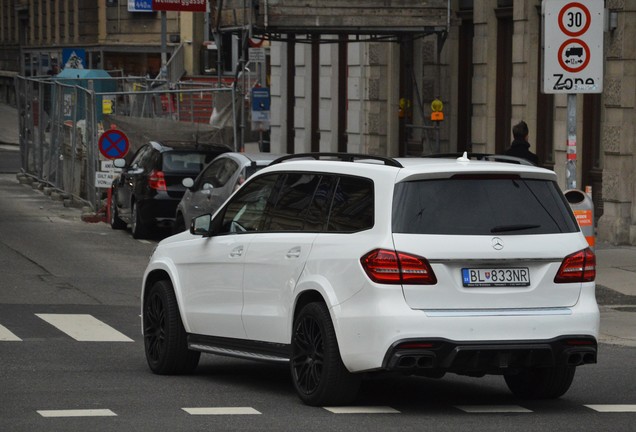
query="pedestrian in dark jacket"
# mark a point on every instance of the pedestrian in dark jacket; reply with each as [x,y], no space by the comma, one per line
[520,146]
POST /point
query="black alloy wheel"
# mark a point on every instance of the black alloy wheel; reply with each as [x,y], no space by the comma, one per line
[319,376]
[165,339]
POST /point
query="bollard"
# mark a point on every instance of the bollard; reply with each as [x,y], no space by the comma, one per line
[583,208]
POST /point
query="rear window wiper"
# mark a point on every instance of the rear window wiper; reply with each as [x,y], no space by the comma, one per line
[518,227]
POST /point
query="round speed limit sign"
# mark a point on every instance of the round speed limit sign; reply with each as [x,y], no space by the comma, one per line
[574,19]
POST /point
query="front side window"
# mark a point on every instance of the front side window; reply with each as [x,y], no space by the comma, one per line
[481,205]
[245,212]
[139,156]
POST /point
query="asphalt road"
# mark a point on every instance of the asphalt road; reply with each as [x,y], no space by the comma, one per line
[57,269]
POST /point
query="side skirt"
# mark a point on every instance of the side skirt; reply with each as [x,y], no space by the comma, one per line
[241,348]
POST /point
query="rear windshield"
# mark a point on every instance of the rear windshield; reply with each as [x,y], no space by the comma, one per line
[481,206]
[185,162]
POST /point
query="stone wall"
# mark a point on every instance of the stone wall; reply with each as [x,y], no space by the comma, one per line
[618,223]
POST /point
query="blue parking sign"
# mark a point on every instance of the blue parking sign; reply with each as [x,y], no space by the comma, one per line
[260,99]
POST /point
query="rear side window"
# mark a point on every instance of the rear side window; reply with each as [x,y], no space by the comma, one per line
[321,202]
[352,208]
[481,206]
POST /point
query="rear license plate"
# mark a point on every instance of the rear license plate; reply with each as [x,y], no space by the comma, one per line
[496,277]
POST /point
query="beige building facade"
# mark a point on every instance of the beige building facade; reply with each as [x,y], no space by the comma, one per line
[33,34]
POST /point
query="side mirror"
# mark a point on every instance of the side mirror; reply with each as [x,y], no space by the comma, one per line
[201,225]
[187,182]
[119,163]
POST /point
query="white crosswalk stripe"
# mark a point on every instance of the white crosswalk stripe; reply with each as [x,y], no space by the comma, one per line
[362,410]
[77,413]
[616,408]
[84,328]
[221,411]
[492,409]
[6,335]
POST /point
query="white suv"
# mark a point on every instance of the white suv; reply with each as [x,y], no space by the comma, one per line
[349,265]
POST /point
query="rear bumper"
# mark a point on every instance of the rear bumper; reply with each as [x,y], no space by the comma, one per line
[426,355]
[372,324]
[160,208]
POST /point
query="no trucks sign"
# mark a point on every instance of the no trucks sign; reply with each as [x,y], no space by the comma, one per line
[573,46]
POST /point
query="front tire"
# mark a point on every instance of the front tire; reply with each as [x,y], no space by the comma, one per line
[137,227]
[318,374]
[165,339]
[541,383]
[115,222]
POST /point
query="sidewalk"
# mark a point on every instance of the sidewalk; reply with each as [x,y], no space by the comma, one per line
[615,275]
[616,293]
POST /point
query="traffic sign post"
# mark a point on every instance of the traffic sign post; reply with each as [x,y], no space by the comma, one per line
[572,59]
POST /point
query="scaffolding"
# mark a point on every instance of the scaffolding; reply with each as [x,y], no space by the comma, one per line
[310,20]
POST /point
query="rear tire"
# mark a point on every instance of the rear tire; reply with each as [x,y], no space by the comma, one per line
[319,376]
[541,383]
[165,339]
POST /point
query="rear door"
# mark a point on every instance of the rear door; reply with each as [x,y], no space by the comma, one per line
[493,241]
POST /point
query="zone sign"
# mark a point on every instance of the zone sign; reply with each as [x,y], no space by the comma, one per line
[573,46]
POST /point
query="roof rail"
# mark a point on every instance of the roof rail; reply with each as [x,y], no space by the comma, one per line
[344,157]
[482,156]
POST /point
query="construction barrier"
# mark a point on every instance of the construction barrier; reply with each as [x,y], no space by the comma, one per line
[583,208]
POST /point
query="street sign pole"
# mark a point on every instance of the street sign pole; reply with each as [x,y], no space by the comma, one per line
[573,60]
[164,46]
[570,167]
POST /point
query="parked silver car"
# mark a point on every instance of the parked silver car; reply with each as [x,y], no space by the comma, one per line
[216,183]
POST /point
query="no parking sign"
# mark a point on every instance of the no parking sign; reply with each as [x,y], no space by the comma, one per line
[573,52]
[113,144]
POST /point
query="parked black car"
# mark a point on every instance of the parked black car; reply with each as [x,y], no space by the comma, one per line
[146,193]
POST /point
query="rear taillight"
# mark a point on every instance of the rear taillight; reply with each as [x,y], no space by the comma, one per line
[578,267]
[156,180]
[391,267]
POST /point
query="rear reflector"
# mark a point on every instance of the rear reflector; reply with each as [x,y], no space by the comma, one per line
[391,267]
[578,267]
[416,345]
[580,342]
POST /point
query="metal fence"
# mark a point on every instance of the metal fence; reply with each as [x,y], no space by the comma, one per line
[61,121]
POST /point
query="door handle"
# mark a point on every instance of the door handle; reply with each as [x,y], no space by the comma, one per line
[293,252]
[236,252]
